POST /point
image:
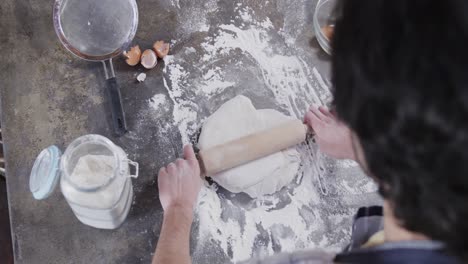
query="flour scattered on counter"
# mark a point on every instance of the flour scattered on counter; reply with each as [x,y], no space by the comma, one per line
[369,187]
[157,101]
[193,15]
[295,218]
[345,164]
[215,85]
[213,82]
[198,78]
[288,76]
[359,187]
[185,111]
[175,3]
[190,50]
[204,28]
[268,225]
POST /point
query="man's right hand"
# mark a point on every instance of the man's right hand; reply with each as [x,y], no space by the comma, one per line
[179,183]
[332,136]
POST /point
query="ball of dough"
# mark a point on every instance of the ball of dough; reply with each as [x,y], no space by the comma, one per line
[237,118]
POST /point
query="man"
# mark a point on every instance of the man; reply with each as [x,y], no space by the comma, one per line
[400,74]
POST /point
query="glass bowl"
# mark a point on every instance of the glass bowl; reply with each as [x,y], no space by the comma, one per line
[324,23]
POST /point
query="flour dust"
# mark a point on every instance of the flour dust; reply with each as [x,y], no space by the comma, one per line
[249,54]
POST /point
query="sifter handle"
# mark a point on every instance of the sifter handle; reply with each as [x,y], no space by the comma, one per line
[118,116]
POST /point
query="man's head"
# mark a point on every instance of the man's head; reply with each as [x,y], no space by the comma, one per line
[400,71]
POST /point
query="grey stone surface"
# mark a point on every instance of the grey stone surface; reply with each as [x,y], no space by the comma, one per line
[50,97]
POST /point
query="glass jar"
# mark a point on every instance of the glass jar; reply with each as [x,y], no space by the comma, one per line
[324,23]
[95,180]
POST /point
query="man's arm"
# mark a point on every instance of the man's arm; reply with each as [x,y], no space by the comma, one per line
[173,245]
[179,184]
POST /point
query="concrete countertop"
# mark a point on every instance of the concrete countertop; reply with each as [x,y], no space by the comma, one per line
[50,97]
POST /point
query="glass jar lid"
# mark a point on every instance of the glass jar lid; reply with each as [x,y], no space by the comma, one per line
[45,173]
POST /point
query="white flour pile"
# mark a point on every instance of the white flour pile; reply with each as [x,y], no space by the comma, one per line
[157,101]
[93,170]
[312,212]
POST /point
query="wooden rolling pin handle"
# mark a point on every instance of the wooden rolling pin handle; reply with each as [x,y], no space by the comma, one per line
[251,147]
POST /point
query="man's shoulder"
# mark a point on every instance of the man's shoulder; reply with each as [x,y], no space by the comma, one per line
[300,257]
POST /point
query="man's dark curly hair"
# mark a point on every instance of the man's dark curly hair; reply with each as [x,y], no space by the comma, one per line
[400,75]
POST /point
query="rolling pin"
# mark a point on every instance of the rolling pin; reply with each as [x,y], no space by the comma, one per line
[243,150]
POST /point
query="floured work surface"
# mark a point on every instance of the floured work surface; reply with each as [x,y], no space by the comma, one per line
[273,65]
[264,50]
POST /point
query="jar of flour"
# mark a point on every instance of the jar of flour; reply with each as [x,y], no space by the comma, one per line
[95,179]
